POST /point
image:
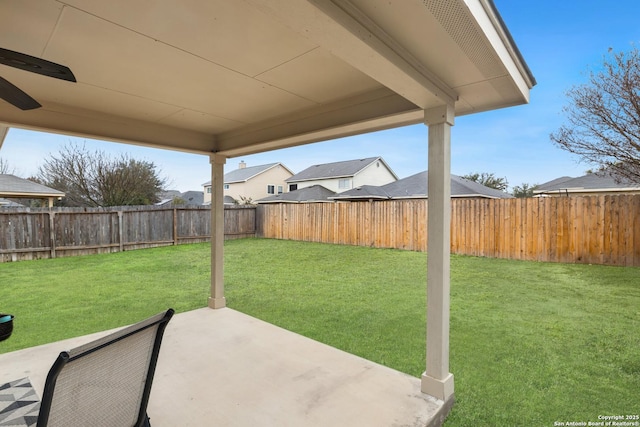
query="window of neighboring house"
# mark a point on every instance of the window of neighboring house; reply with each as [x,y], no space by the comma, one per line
[208,190]
[226,187]
[271,189]
[293,187]
[280,189]
[344,183]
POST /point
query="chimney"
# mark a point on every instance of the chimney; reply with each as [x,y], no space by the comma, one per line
[242,165]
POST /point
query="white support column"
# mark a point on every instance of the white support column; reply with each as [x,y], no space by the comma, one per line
[217,299]
[437,380]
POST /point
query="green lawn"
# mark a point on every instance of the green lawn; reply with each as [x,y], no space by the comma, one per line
[531,343]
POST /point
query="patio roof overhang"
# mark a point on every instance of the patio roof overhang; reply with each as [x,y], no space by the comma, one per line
[241,77]
[230,78]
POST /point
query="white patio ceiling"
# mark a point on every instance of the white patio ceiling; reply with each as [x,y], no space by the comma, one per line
[237,77]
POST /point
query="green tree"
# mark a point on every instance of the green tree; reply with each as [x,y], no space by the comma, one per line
[524,190]
[603,117]
[178,201]
[94,179]
[488,180]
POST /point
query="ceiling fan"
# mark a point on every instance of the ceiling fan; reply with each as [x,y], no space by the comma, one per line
[14,95]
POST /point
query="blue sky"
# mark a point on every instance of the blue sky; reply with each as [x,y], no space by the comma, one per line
[560,41]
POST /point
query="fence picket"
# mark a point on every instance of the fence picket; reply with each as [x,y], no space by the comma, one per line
[32,234]
[589,229]
[592,229]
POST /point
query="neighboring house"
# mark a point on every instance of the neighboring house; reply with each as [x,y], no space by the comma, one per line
[188,198]
[193,198]
[343,176]
[5,203]
[416,187]
[252,183]
[167,197]
[315,193]
[12,187]
[589,184]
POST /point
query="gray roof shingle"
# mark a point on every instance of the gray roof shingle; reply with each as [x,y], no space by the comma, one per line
[347,168]
[461,187]
[193,197]
[6,203]
[590,181]
[12,185]
[246,173]
[314,193]
[416,186]
[366,192]
[553,183]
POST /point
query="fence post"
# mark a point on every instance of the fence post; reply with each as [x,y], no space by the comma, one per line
[52,233]
[120,230]
[175,226]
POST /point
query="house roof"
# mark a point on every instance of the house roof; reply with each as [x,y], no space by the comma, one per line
[13,186]
[193,197]
[247,173]
[591,182]
[461,187]
[553,183]
[416,187]
[367,192]
[314,193]
[169,194]
[343,169]
[5,203]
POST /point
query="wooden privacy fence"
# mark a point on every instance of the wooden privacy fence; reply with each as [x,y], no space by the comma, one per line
[592,229]
[72,231]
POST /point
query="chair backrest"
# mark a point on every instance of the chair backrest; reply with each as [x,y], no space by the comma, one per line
[106,382]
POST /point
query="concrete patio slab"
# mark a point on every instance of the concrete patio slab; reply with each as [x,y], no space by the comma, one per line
[224,368]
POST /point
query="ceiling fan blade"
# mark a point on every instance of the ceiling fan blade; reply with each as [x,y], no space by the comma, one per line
[13,95]
[35,65]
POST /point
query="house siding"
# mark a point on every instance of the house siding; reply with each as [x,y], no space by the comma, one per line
[330,184]
[256,187]
[372,174]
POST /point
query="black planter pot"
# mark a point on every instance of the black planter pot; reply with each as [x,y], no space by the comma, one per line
[6,326]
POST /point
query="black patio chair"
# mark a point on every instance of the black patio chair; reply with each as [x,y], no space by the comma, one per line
[106,382]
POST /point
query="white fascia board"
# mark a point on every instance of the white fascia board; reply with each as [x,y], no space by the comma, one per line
[492,28]
[591,190]
[417,196]
[339,198]
[24,195]
[474,195]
